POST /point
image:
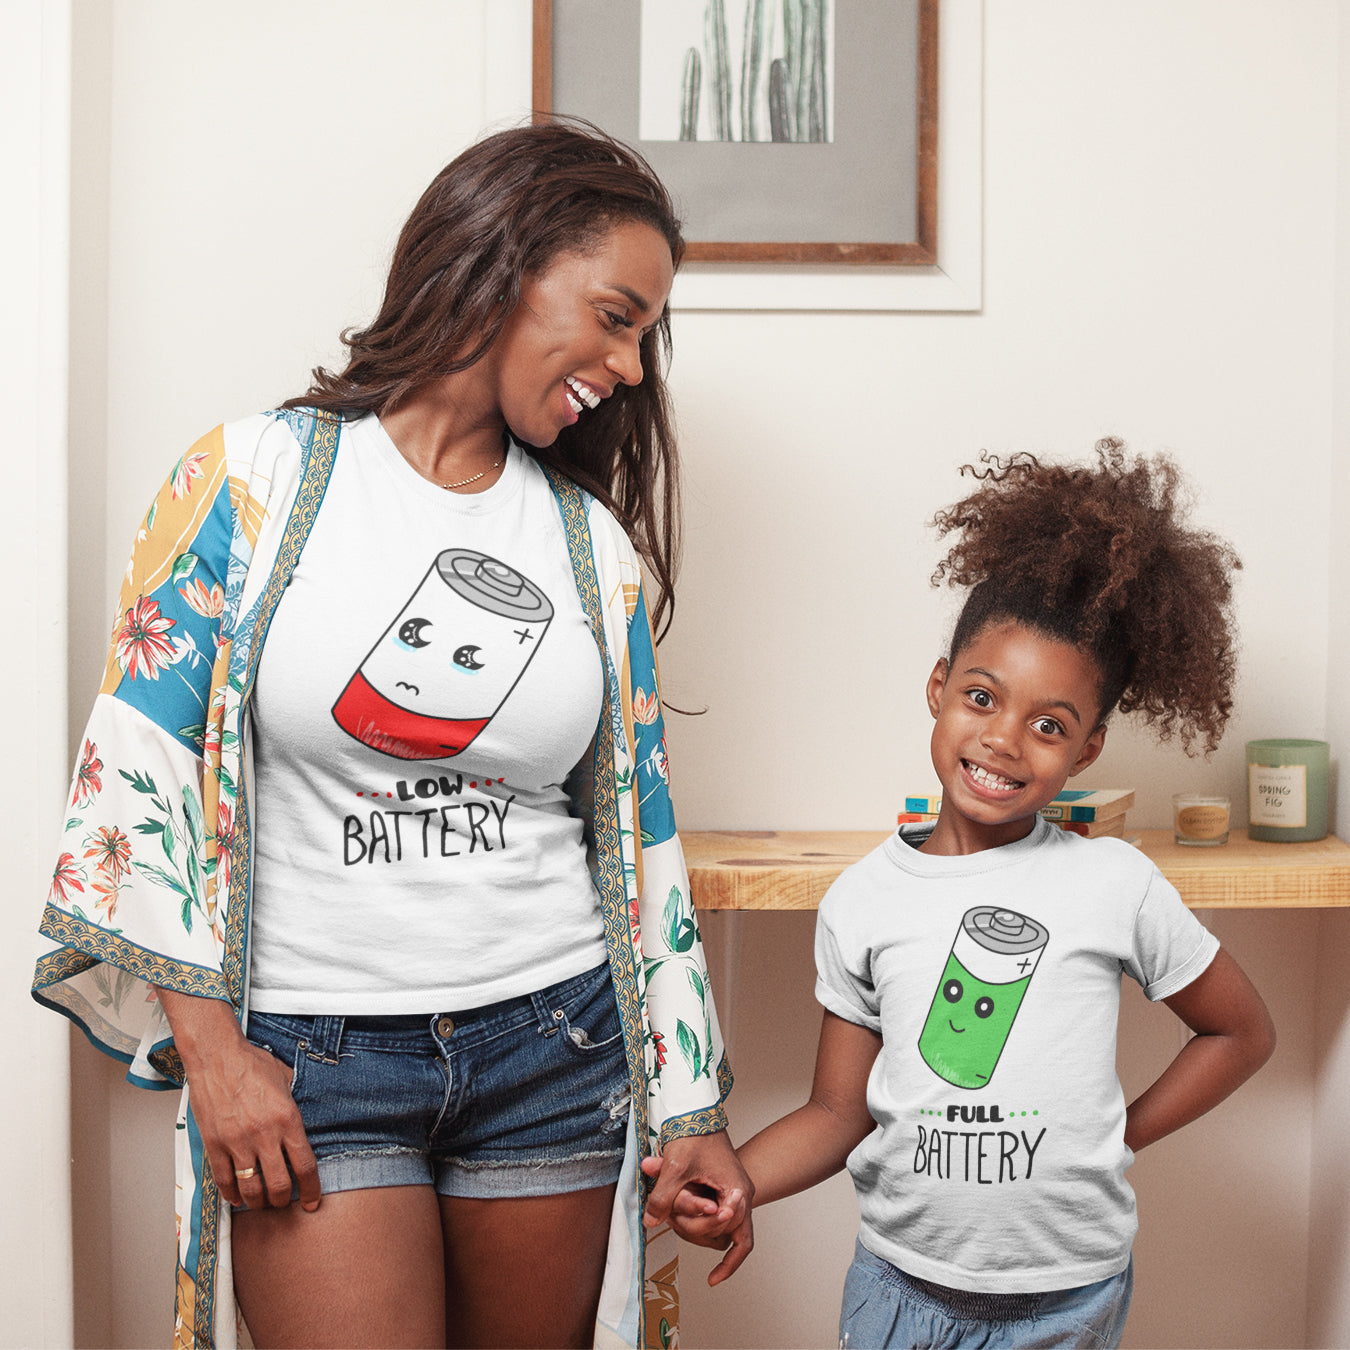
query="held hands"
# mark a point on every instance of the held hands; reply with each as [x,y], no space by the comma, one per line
[241,1100]
[704,1194]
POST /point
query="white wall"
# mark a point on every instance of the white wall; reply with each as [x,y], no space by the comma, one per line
[35,1221]
[1160,229]
[1329,1245]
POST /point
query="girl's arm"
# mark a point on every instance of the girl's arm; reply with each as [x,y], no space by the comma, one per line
[794,1153]
[814,1141]
[1234,1037]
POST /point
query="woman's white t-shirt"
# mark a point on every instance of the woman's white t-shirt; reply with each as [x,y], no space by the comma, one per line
[429,681]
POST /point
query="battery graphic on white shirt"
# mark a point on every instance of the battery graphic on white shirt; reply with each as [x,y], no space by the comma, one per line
[447,663]
[990,965]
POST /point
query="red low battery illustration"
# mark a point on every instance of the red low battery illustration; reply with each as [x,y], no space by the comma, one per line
[448,662]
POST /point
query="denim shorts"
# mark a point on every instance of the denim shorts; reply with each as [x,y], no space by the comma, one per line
[884,1307]
[524,1097]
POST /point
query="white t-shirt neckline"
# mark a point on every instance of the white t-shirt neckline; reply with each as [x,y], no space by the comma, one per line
[491,498]
[902,848]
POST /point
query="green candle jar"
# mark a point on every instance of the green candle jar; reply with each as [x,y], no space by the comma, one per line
[1287,790]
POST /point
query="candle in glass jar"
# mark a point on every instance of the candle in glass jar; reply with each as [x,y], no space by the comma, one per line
[1287,790]
[1199,820]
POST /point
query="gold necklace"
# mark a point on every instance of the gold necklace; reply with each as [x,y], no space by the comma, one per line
[464,482]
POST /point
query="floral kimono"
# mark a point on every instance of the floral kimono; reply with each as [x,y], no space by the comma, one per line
[153,883]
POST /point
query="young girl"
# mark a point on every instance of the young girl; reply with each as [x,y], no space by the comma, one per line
[970,968]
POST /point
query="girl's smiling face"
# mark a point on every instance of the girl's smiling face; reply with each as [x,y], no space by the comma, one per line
[1016,715]
[573,338]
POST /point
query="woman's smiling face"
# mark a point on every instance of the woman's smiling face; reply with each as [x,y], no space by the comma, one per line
[573,338]
[1016,715]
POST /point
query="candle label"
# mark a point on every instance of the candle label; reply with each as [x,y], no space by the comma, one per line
[1202,822]
[1278,794]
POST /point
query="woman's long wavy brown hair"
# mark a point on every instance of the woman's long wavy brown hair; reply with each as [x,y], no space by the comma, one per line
[505,208]
[1100,556]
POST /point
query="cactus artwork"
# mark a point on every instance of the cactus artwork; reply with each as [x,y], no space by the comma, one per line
[737,70]
[693,74]
[715,30]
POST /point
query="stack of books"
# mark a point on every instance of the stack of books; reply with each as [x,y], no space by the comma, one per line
[1091,812]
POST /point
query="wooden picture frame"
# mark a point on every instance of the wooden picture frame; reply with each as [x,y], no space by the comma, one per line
[736,197]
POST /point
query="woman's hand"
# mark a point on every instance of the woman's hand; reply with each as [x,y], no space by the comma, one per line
[703,1192]
[698,1218]
[241,1100]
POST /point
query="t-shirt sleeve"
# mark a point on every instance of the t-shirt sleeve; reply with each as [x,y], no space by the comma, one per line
[844,983]
[1171,946]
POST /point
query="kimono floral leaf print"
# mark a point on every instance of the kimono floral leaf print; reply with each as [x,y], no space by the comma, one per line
[88,784]
[153,877]
[162,757]
[67,878]
[663,1300]
[143,647]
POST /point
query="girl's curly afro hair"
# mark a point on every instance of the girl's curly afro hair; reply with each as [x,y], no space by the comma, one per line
[1100,557]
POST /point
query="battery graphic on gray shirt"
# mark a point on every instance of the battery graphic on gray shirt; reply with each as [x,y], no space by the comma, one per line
[986,976]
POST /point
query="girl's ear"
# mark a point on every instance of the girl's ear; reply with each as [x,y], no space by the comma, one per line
[937,682]
[1092,747]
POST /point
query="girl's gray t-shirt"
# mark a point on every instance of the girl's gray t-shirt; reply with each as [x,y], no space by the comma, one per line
[998,1159]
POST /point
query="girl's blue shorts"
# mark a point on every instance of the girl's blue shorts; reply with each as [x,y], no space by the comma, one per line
[524,1097]
[885,1307]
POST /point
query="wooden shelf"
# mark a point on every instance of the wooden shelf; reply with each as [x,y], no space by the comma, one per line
[766,869]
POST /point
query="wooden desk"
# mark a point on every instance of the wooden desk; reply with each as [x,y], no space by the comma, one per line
[765,869]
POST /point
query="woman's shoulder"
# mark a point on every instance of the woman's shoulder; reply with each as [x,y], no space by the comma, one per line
[267,450]
[603,520]
[261,435]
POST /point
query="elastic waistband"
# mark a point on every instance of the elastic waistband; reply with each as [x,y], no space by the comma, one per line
[973,1305]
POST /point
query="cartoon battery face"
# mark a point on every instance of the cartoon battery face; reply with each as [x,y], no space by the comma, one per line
[987,973]
[449,660]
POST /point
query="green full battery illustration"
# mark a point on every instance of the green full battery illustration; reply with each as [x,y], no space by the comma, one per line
[990,965]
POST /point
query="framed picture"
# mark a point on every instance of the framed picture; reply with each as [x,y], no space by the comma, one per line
[788,131]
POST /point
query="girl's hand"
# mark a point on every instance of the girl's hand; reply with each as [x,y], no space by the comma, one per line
[696,1215]
[702,1191]
[242,1104]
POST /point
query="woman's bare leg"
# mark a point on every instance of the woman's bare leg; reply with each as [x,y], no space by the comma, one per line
[363,1270]
[525,1272]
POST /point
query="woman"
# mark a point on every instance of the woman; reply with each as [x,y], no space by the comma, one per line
[377,770]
